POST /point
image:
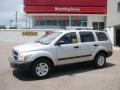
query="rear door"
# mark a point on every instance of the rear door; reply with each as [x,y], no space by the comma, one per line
[86,46]
[103,40]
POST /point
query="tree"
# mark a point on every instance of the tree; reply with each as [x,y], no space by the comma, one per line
[2,27]
[12,28]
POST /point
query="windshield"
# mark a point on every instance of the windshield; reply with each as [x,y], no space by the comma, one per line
[47,39]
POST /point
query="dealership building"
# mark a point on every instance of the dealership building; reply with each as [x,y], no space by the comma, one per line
[59,14]
[113,21]
[66,13]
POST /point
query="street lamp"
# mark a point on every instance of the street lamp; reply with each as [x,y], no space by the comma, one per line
[11,23]
[16,19]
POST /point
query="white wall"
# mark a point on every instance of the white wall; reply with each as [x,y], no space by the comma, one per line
[113,16]
[111,34]
[16,35]
[95,18]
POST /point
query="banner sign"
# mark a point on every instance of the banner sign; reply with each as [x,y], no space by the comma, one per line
[65,9]
[29,33]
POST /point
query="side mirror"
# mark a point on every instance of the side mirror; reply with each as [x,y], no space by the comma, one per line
[60,43]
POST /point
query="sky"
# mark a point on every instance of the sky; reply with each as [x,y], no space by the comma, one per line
[8,10]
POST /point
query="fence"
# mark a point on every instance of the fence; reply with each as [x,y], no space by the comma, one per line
[20,35]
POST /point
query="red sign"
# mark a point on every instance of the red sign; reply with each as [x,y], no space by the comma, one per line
[65,9]
[81,3]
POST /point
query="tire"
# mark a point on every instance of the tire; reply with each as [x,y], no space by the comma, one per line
[41,68]
[100,60]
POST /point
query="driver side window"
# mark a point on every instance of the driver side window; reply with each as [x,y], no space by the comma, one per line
[69,38]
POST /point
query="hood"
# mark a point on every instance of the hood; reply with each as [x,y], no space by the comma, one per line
[28,47]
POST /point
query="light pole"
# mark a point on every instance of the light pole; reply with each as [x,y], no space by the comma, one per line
[26,23]
[11,23]
[16,17]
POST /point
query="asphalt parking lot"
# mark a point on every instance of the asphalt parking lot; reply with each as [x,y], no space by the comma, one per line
[72,77]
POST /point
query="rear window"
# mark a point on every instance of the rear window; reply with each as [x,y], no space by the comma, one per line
[101,36]
[87,37]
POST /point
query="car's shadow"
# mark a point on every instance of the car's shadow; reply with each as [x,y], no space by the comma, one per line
[61,71]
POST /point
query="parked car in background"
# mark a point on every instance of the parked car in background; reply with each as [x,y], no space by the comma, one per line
[62,47]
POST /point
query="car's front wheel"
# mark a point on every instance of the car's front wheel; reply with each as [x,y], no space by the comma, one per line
[100,60]
[41,68]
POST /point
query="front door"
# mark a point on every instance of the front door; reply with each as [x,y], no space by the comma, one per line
[67,52]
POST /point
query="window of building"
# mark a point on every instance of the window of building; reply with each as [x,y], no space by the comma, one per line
[101,36]
[51,20]
[75,21]
[63,21]
[98,25]
[79,21]
[86,37]
[69,38]
[101,25]
[95,25]
[83,21]
[118,9]
[39,21]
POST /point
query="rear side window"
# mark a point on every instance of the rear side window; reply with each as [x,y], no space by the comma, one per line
[101,36]
[87,37]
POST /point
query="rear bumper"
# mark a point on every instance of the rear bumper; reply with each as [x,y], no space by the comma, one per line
[109,53]
[19,65]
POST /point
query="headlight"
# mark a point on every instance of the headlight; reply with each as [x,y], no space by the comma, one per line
[22,58]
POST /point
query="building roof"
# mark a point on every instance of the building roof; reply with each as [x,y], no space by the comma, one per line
[82,3]
[66,6]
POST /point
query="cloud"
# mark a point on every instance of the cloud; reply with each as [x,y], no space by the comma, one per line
[8,10]
[10,6]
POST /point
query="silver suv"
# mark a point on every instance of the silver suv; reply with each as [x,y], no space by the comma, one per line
[62,47]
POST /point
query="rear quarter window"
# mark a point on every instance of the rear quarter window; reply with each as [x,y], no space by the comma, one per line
[87,37]
[101,36]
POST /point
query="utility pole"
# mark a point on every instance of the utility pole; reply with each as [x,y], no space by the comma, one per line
[26,23]
[16,17]
[29,23]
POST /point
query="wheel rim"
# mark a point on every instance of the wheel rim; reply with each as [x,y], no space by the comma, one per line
[101,60]
[42,69]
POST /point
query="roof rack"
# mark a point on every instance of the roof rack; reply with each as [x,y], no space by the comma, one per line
[79,28]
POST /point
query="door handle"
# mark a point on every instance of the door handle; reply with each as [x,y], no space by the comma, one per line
[76,46]
[95,45]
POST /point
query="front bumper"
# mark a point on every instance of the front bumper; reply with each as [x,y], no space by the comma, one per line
[19,64]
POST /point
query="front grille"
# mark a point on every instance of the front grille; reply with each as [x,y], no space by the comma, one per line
[15,55]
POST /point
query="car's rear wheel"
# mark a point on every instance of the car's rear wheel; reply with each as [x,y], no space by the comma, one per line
[41,68]
[100,60]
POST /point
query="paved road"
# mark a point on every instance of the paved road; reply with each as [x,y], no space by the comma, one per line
[71,77]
